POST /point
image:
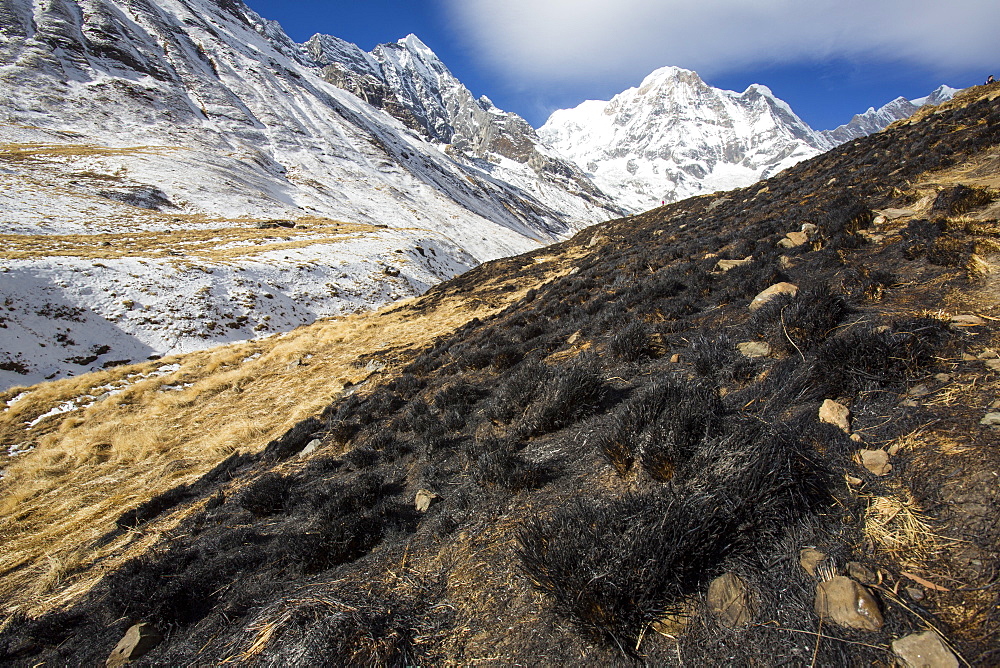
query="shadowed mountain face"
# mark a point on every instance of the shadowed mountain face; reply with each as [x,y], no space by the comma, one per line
[565,480]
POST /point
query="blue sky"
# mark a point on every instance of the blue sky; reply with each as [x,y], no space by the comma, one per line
[829,59]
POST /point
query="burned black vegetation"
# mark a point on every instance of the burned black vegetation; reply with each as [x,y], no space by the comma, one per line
[607,441]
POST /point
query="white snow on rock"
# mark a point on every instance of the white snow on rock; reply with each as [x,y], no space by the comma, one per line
[133,131]
[675,136]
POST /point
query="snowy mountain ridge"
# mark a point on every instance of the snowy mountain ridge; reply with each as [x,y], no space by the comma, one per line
[127,121]
[675,136]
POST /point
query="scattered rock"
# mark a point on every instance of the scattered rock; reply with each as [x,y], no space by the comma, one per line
[310,448]
[729,600]
[966,321]
[844,602]
[919,391]
[893,214]
[836,414]
[786,262]
[861,573]
[424,499]
[924,650]
[857,438]
[995,404]
[993,364]
[988,354]
[754,348]
[876,461]
[809,228]
[391,271]
[139,639]
[942,377]
[991,420]
[675,358]
[915,593]
[909,403]
[573,338]
[854,482]
[810,558]
[772,292]
[726,265]
[794,240]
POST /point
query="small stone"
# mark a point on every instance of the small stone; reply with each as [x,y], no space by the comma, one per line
[836,414]
[991,420]
[675,358]
[709,256]
[424,499]
[772,292]
[726,265]
[915,593]
[672,624]
[729,600]
[966,357]
[993,364]
[919,391]
[876,461]
[810,558]
[942,377]
[879,220]
[809,228]
[844,602]
[391,271]
[967,321]
[754,348]
[861,573]
[573,338]
[797,238]
[139,639]
[924,650]
[995,404]
[989,354]
[909,403]
[855,482]
[786,262]
[894,449]
[857,438]
[310,448]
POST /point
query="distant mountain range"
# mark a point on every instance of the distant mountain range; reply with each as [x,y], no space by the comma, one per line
[675,136]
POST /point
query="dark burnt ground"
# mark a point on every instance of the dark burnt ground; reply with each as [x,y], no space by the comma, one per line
[589,488]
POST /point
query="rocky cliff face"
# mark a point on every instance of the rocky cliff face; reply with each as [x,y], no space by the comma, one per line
[676,136]
[410,82]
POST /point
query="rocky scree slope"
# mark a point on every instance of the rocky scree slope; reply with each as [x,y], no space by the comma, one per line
[589,462]
[675,136]
[139,119]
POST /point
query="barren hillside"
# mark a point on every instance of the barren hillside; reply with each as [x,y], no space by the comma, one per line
[611,450]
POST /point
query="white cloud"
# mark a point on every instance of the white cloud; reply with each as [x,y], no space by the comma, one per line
[568,41]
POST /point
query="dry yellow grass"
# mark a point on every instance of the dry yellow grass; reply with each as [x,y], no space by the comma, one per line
[171,421]
[214,244]
[33,151]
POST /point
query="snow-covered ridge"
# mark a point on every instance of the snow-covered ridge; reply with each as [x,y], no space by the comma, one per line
[875,120]
[675,136]
[121,117]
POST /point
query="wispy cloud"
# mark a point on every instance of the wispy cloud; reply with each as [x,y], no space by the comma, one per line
[539,41]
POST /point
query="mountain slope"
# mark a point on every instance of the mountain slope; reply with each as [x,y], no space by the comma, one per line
[121,118]
[595,449]
[675,136]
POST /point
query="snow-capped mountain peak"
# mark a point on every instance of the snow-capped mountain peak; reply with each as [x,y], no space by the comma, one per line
[675,136]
